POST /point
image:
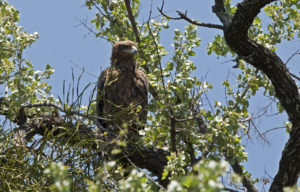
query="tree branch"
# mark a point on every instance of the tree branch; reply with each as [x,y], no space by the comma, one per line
[132,20]
[236,35]
[83,23]
[183,16]
[173,134]
[208,25]
[151,159]
[219,10]
[293,55]
[237,168]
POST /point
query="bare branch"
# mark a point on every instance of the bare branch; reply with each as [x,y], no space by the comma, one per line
[132,21]
[208,25]
[219,10]
[183,16]
[295,76]
[273,129]
[137,37]
[237,168]
[83,69]
[259,133]
[91,30]
[100,11]
[293,55]
[163,14]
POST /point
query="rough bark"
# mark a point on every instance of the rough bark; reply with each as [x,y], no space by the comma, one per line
[152,159]
[235,32]
[236,35]
[237,168]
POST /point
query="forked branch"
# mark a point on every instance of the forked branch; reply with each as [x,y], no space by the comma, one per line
[236,35]
[183,16]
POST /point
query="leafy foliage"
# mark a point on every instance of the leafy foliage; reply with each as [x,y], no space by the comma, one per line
[60,159]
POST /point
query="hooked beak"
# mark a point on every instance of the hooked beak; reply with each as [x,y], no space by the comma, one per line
[134,50]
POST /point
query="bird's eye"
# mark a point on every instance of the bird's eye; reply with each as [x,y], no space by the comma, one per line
[125,46]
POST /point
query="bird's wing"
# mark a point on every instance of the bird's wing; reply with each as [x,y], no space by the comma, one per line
[143,89]
[100,96]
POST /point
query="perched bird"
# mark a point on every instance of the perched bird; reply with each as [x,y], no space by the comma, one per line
[122,91]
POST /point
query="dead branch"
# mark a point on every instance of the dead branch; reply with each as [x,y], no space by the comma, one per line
[183,16]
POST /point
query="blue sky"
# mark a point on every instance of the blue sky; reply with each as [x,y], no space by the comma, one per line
[63,41]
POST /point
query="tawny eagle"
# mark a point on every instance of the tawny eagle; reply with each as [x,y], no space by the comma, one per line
[122,91]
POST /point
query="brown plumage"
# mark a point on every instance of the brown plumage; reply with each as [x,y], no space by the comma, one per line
[122,91]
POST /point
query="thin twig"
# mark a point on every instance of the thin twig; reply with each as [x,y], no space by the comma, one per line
[293,55]
[273,129]
[208,25]
[295,76]
[100,11]
[157,52]
[260,135]
[92,31]
[83,69]
[163,14]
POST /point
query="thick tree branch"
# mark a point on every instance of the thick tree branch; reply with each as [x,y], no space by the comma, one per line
[236,35]
[152,159]
[219,10]
[237,168]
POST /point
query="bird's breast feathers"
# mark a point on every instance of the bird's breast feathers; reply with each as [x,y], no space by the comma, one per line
[123,88]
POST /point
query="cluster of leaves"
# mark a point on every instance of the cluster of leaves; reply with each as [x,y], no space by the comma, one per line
[206,176]
[112,20]
[172,119]
[22,166]
[176,89]
[23,84]
[284,25]
[285,18]
[179,92]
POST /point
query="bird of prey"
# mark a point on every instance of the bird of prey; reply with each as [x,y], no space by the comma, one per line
[122,91]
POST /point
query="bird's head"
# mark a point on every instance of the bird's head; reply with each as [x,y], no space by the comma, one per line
[123,53]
